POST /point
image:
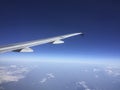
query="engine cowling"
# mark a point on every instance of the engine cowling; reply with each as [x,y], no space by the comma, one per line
[58,42]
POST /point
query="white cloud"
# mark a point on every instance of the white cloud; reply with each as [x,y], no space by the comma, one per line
[83,84]
[7,74]
[95,70]
[43,80]
[113,71]
[48,76]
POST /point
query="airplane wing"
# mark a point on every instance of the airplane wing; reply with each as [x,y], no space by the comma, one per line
[26,46]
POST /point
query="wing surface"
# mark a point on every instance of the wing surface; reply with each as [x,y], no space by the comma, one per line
[26,46]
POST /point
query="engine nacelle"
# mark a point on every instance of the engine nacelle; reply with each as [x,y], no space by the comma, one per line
[58,42]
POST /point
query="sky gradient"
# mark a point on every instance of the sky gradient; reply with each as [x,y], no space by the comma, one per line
[30,20]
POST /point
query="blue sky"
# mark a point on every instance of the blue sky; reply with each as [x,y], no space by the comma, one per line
[29,20]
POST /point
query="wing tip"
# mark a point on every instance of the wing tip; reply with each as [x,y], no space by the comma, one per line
[80,33]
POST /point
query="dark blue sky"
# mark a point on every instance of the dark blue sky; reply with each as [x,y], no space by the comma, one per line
[29,20]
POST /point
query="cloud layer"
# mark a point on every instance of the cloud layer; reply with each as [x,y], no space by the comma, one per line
[12,73]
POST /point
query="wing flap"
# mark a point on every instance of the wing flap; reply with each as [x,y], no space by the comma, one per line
[24,50]
[58,42]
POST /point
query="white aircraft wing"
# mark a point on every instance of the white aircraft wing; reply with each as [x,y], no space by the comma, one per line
[26,46]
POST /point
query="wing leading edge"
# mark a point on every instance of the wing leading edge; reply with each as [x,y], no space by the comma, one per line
[25,46]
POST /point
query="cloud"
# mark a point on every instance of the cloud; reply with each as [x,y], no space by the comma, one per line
[12,73]
[83,85]
[48,77]
[96,70]
[113,71]
[43,80]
